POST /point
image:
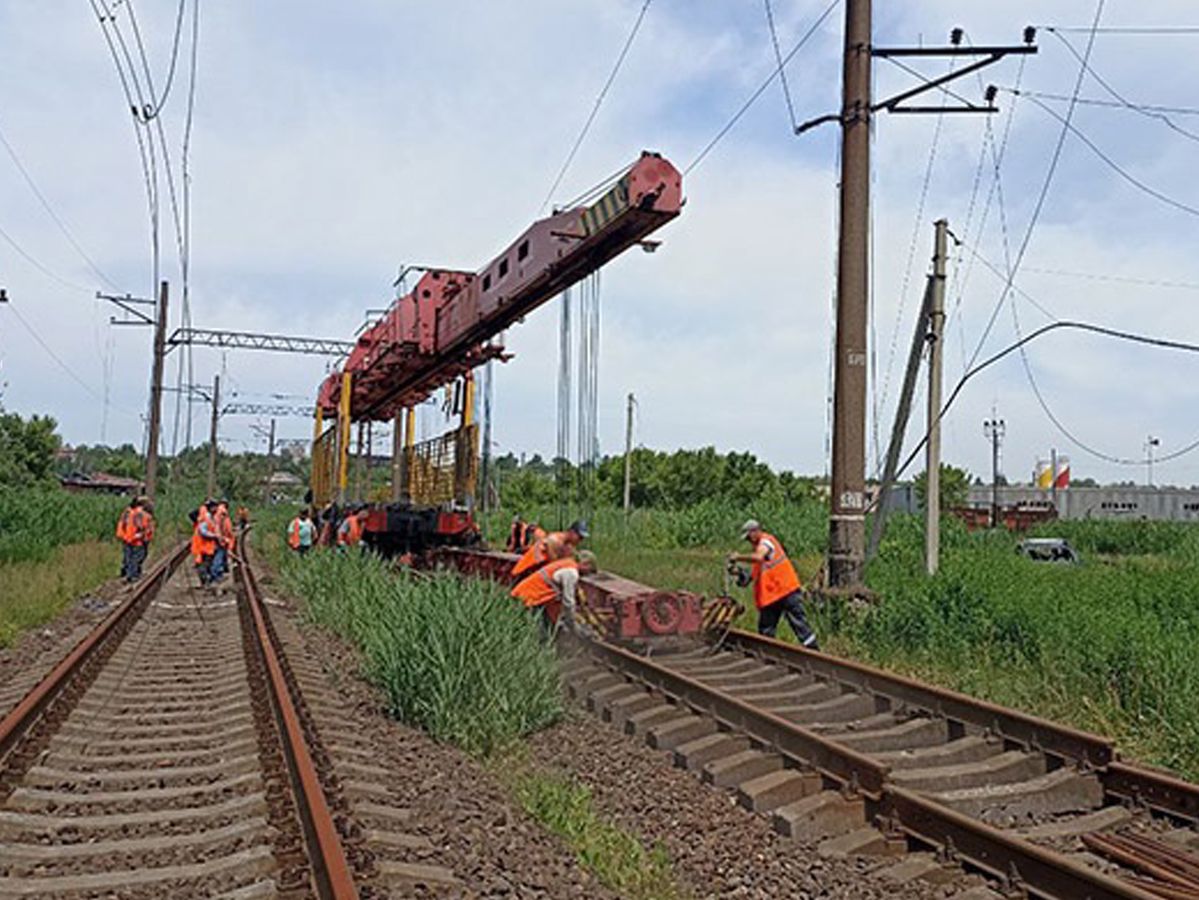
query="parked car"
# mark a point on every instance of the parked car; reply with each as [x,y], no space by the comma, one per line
[1056,550]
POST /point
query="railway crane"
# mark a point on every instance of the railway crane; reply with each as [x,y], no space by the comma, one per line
[451,322]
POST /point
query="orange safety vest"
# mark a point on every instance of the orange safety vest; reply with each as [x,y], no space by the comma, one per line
[544,549]
[203,546]
[224,526]
[135,527]
[293,534]
[539,589]
[774,577]
[350,532]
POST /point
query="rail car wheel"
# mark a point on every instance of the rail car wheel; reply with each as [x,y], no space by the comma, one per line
[662,613]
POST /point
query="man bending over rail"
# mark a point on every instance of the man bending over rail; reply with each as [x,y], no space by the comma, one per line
[551,547]
[553,589]
[777,591]
[135,529]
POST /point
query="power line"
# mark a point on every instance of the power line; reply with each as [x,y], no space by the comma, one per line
[1132,106]
[1095,101]
[1123,279]
[62,226]
[778,56]
[1164,343]
[598,101]
[1044,193]
[45,270]
[1117,29]
[71,373]
[761,89]
[1116,167]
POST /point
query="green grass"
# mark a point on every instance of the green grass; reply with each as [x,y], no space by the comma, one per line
[456,656]
[56,546]
[563,806]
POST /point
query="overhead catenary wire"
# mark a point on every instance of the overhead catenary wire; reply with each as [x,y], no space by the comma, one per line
[778,56]
[1110,104]
[62,226]
[624,52]
[1144,188]
[753,98]
[1127,29]
[1042,196]
[40,266]
[1060,324]
[1102,82]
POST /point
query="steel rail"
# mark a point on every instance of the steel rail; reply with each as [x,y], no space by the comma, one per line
[1014,860]
[21,717]
[803,747]
[326,855]
[1031,731]
[1157,790]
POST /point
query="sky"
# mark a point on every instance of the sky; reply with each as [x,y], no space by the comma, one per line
[333,143]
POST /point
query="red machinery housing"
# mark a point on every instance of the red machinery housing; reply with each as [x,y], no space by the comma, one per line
[445,326]
[617,608]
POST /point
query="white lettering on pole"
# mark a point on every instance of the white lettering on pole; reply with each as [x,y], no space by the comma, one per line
[852,500]
[856,358]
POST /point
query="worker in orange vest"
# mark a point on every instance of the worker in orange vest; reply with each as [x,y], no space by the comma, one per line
[553,589]
[225,540]
[349,533]
[551,547]
[135,529]
[301,533]
[205,538]
[777,591]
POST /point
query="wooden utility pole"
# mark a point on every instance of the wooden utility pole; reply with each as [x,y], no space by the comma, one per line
[936,322]
[628,455]
[847,548]
[216,415]
[160,337]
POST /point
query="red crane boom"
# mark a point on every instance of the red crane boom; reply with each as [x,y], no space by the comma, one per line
[447,324]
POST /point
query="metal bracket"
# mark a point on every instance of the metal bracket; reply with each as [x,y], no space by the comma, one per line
[990,54]
[130,305]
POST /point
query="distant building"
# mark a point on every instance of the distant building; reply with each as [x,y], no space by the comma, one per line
[100,483]
[1123,502]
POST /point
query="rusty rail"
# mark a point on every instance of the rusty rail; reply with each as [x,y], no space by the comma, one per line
[21,717]
[326,855]
[1018,862]
[1031,731]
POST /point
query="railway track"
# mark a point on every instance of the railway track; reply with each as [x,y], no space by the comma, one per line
[872,763]
[180,750]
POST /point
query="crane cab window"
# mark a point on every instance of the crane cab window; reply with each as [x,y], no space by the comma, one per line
[522,251]
[487,282]
[503,267]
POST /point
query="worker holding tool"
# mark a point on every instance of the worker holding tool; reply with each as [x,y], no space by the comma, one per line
[205,537]
[224,546]
[301,533]
[554,546]
[777,591]
[553,588]
[135,529]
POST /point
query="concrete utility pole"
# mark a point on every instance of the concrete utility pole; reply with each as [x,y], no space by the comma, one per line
[397,457]
[994,428]
[936,322]
[216,415]
[847,529]
[1150,443]
[628,454]
[270,465]
[160,333]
